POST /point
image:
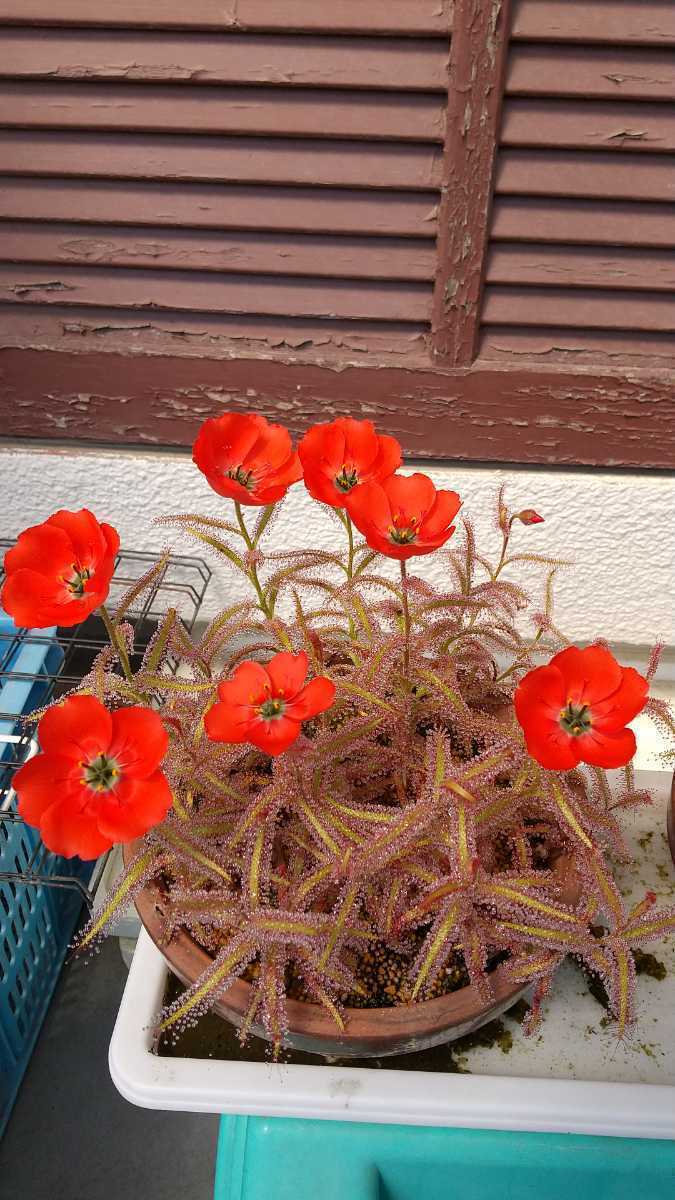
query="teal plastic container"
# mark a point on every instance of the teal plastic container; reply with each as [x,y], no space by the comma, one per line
[36,922]
[280,1159]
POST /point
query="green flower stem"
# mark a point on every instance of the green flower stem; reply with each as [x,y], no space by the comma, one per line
[252,573]
[117,641]
[265,606]
[350,535]
[406,621]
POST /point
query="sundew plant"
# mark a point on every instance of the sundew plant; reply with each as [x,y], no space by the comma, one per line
[349,756]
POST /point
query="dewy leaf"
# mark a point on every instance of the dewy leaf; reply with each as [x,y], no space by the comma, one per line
[543,933]
[149,577]
[192,852]
[527,901]
[611,896]
[444,688]
[346,907]
[254,870]
[568,814]
[262,522]
[344,686]
[185,519]
[159,644]
[439,940]
[217,545]
[133,874]
[215,977]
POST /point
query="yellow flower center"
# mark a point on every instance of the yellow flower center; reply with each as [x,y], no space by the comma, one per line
[576,719]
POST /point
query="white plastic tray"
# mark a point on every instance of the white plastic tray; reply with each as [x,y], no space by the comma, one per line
[573,1077]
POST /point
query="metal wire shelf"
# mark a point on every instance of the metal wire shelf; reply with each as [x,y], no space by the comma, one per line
[181,585]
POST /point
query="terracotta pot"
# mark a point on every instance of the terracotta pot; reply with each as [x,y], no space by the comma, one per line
[670,821]
[369,1033]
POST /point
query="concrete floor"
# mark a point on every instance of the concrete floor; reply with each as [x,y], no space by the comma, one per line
[71,1136]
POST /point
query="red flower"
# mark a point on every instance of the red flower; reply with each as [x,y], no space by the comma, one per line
[97,780]
[267,705]
[576,709]
[404,515]
[60,571]
[338,456]
[246,458]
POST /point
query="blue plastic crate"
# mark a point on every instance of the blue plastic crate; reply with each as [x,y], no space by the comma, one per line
[36,921]
[322,1160]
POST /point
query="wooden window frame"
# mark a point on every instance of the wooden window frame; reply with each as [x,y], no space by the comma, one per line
[153,384]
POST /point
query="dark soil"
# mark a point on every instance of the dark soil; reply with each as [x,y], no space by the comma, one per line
[645,964]
[212,1037]
[648,964]
[384,973]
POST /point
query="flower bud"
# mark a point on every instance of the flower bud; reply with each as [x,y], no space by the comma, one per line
[528,517]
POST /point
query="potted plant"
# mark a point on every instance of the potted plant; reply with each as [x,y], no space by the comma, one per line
[360,818]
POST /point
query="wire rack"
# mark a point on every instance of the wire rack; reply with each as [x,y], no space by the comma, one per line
[65,659]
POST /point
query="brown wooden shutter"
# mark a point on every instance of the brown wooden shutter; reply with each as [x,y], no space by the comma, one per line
[283,205]
[580,263]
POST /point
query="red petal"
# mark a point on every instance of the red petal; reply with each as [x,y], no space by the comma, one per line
[229,438]
[360,445]
[250,685]
[112,539]
[388,457]
[272,449]
[133,807]
[321,453]
[552,747]
[230,488]
[35,601]
[425,545]
[410,495]
[591,674]
[273,736]
[42,548]
[540,696]
[41,780]
[84,533]
[70,828]
[623,705]
[272,485]
[228,722]
[79,728]
[287,673]
[369,508]
[320,485]
[315,698]
[607,749]
[139,740]
[440,515]
[401,553]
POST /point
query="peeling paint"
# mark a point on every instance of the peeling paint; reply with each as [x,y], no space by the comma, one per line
[50,285]
[477,55]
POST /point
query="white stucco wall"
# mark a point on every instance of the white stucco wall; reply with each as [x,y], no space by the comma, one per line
[618,527]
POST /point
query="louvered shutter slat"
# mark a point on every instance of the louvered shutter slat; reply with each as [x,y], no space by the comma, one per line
[243,253]
[576,221]
[350,16]
[415,64]
[239,160]
[645,22]
[239,111]
[212,206]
